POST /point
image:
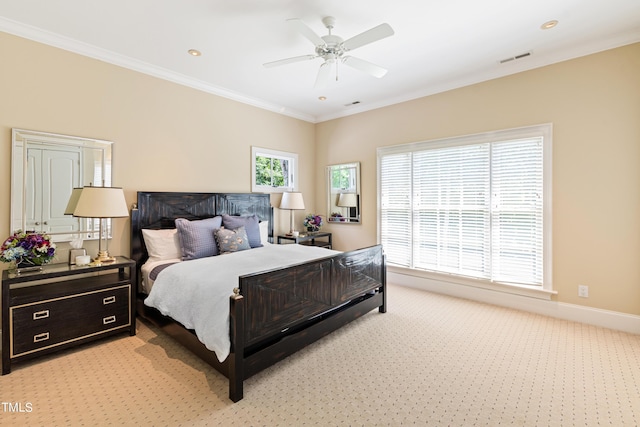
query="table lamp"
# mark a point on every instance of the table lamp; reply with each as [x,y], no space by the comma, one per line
[101,203]
[348,200]
[292,201]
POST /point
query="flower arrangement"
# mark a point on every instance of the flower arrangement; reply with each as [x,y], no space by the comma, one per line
[336,217]
[28,248]
[313,222]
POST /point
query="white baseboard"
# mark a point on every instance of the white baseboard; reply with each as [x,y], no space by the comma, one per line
[577,313]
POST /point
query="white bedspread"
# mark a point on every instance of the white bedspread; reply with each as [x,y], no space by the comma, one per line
[196,293]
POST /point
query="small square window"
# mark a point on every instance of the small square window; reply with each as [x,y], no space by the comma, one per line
[273,171]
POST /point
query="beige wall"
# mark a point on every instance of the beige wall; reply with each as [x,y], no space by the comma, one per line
[166,137]
[594,105]
[170,137]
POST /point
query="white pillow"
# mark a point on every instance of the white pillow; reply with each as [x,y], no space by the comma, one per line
[162,244]
[264,232]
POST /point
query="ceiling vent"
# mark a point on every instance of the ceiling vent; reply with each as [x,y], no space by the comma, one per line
[513,58]
[352,103]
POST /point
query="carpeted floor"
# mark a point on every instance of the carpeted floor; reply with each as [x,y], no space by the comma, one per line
[430,360]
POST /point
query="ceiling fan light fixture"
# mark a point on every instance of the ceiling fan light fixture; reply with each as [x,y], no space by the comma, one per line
[332,48]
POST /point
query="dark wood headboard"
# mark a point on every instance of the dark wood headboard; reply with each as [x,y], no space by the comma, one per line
[158,210]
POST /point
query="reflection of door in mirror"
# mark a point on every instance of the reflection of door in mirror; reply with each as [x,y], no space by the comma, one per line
[51,175]
[344,193]
[45,168]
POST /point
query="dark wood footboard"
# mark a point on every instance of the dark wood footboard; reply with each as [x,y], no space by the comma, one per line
[281,299]
[276,313]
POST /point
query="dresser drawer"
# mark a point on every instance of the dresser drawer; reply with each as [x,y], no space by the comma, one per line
[57,321]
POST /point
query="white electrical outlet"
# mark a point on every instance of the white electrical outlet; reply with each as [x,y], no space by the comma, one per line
[583,291]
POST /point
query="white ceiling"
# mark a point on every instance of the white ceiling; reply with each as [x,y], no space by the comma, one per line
[438,44]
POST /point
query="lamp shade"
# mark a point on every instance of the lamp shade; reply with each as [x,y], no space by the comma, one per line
[73,201]
[101,202]
[292,201]
[348,200]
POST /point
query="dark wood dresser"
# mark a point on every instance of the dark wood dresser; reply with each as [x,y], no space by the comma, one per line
[64,305]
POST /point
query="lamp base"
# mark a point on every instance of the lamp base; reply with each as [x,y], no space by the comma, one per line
[103,258]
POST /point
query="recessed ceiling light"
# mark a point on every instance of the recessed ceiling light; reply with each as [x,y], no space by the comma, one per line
[194,52]
[549,24]
[322,98]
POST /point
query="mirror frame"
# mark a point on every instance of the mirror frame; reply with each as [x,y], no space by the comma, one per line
[20,140]
[350,214]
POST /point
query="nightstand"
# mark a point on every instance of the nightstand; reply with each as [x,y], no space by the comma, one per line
[63,306]
[317,238]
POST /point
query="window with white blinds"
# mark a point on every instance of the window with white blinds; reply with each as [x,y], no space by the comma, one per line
[472,206]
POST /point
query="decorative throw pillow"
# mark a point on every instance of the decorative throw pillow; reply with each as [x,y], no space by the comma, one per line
[197,239]
[162,244]
[250,224]
[232,240]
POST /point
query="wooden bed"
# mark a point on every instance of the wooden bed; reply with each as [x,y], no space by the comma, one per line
[273,314]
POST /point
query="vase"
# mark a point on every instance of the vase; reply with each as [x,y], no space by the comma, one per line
[24,266]
[313,229]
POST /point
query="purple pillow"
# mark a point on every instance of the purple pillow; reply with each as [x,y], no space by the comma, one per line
[250,224]
[197,238]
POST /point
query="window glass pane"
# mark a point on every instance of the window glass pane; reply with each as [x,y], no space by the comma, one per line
[280,173]
[344,179]
[263,170]
[273,170]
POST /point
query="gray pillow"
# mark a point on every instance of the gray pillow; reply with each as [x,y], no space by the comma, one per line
[197,239]
[250,223]
[232,240]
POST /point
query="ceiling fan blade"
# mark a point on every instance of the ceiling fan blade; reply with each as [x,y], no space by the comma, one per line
[369,36]
[289,60]
[364,66]
[304,29]
[324,74]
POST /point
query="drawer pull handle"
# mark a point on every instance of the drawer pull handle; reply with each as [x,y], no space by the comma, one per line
[41,337]
[108,320]
[108,300]
[41,314]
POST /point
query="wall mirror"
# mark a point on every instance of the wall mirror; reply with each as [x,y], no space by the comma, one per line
[344,193]
[45,168]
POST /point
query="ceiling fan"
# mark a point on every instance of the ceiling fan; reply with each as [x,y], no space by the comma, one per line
[332,49]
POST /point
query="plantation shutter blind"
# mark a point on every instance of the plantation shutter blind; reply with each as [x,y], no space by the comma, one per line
[517,211]
[395,212]
[473,210]
[451,210]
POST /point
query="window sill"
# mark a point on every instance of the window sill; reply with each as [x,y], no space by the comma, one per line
[528,291]
[262,189]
